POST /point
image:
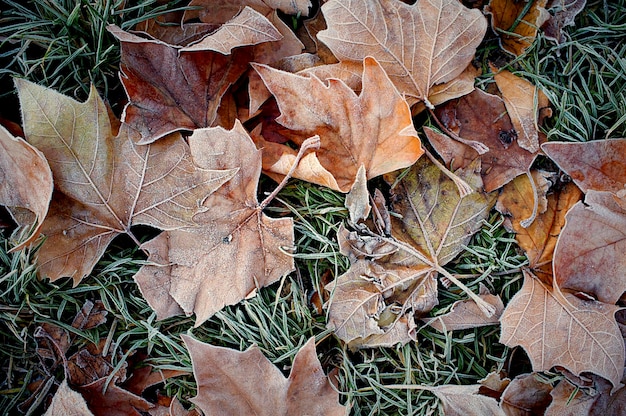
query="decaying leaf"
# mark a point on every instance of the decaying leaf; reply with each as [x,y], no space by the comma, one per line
[481,117]
[517,22]
[558,328]
[420,45]
[392,278]
[373,129]
[466,401]
[67,402]
[563,14]
[25,186]
[568,400]
[523,102]
[233,249]
[105,184]
[526,395]
[172,88]
[245,383]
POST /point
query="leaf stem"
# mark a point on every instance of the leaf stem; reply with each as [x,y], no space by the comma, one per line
[485,307]
[464,188]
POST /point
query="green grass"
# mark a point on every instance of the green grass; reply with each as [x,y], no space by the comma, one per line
[585,78]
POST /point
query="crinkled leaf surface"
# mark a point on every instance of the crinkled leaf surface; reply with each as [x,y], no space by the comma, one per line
[172,88]
[233,250]
[246,383]
[25,186]
[563,14]
[373,129]
[104,184]
[420,45]
[391,278]
[558,328]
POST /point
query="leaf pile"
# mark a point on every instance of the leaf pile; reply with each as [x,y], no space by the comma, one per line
[231,92]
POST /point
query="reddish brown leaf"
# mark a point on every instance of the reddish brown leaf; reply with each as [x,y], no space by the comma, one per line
[420,45]
[25,186]
[568,400]
[245,383]
[105,184]
[564,13]
[233,249]
[526,395]
[114,401]
[373,129]
[545,322]
[90,315]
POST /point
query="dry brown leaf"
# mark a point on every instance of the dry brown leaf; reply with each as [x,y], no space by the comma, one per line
[545,322]
[526,395]
[599,165]
[517,22]
[465,314]
[466,401]
[523,102]
[233,250]
[67,402]
[373,129]
[105,184]
[563,14]
[392,278]
[114,401]
[589,255]
[481,117]
[419,45]
[25,186]
[172,88]
[91,315]
[569,400]
[245,383]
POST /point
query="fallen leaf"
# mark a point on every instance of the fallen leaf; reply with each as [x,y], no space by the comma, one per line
[244,383]
[526,395]
[25,186]
[393,277]
[569,400]
[419,45]
[114,401]
[544,321]
[481,117]
[589,255]
[105,184]
[465,314]
[357,200]
[67,402]
[91,315]
[172,88]
[233,249]
[517,22]
[466,401]
[373,129]
[599,165]
[563,14]
[523,102]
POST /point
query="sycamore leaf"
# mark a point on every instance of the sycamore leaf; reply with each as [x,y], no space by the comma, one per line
[589,255]
[392,278]
[517,22]
[172,88]
[481,117]
[564,13]
[420,45]
[599,165]
[556,328]
[67,402]
[373,129]
[523,102]
[25,186]
[233,250]
[246,383]
[104,184]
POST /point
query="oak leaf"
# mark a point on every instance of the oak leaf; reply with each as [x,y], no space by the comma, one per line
[105,184]
[420,46]
[234,248]
[172,88]
[25,186]
[392,278]
[373,129]
[245,383]
[546,321]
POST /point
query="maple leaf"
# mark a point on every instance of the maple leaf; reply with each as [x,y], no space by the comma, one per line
[373,129]
[105,184]
[242,383]
[478,118]
[25,186]
[392,278]
[233,250]
[420,45]
[172,88]
[517,23]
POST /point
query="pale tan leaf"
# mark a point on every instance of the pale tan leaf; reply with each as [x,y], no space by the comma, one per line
[67,402]
[357,200]
[560,329]
[25,186]
[466,401]
[420,45]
